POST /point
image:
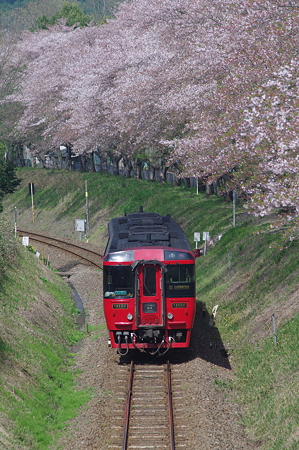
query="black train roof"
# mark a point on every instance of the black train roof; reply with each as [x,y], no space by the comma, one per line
[144,229]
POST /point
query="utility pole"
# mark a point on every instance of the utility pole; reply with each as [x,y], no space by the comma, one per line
[274,329]
[234,207]
[31,192]
[86,208]
[15,217]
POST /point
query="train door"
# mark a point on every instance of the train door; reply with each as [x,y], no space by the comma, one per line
[150,296]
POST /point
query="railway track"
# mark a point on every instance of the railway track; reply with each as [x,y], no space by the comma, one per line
[83,253]
[148,410]
[147,416]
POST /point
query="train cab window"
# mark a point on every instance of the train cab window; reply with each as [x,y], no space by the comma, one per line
[118,282]
[180,280]
[149,281]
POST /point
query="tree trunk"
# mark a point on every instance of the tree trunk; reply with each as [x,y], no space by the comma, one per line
[151,172]
[104,162]
[89,162]
[115,162]
[187,182]
[176,180]
[83,162]
[127,166]
[136,164]
[68,157]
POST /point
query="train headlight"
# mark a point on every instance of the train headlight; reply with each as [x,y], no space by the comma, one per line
[130,316]
[169,315]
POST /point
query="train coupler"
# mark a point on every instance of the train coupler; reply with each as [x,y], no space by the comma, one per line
[126,335]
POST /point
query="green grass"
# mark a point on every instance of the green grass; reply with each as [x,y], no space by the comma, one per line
[37,322]
[263,277]
[50,402]
[268,382]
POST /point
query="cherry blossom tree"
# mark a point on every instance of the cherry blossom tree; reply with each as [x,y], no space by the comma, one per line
[206,85]
[269,137]
[254,140]
[148,78]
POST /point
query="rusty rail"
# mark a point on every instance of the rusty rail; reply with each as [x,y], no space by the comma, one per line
[69,247]
[169,392]
[128,406]
[130,399]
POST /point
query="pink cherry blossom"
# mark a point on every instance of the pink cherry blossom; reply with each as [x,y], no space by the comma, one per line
[208,86]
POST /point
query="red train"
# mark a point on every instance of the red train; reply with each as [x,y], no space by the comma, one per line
[149,284]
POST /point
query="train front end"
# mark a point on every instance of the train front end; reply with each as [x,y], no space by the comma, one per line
[149,284]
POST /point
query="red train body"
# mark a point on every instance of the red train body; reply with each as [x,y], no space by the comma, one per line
[149,284]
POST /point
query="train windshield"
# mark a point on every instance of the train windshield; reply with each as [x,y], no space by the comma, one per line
[118,281]
[149,281]
[180,280]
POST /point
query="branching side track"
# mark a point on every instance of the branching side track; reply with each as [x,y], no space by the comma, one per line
[88,255]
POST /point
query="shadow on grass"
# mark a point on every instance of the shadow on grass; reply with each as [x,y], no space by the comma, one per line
[206,342]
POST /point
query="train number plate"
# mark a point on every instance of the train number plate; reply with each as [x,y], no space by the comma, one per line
[179,305]
[120,306]
[149,307]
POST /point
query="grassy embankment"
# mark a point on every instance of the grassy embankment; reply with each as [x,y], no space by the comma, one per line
[37,328]
[251,273]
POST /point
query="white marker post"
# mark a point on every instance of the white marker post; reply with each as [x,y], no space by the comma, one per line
[205,237]
[196,238]
[25,241]
[80,225]
[213,316]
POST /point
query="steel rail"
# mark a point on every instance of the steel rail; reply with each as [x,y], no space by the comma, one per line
[42,238]
[128,407]
[170,405]
[23,232]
